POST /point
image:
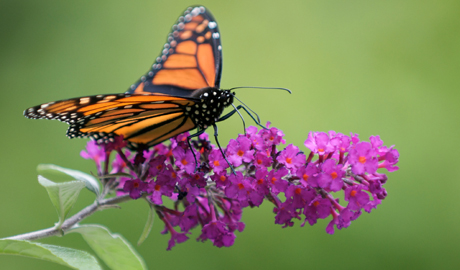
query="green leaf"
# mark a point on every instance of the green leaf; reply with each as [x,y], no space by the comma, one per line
[62,195]
[148,225]
[69,257]
[113,249]
[91,183]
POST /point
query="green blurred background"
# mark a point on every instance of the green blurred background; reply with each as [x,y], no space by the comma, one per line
[370,67]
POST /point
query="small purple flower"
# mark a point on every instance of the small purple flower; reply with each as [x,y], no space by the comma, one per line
[285,213]
[262,159]
[278,184]
[356,198]
[376,142]
[189,218]
[272,136]
[308,175]
[135,188]
[362,158]
[239,188]
[318,208]
[319,143]
[238,151]
[339,141]
[260,181]
[300,195]
[119,164]
[354,138]
[184,159]
[95,152]
[225,240]
[217,161]
[176,237]
[221,179]
[331,177]
[157,165]
[213,230]
[390,157]
[290,158]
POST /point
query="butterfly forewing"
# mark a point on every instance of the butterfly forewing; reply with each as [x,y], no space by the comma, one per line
[141,119]
[191,58]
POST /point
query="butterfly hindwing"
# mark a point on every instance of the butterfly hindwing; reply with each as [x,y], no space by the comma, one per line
[191,58]
[140,119]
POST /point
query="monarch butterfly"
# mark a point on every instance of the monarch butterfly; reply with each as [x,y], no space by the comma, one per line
[179,93]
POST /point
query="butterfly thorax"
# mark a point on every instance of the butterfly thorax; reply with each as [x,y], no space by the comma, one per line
[210,106]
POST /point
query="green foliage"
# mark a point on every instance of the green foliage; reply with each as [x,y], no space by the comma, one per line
[113,249]
[62,195]
[91,182]
[148,226]
[72,258]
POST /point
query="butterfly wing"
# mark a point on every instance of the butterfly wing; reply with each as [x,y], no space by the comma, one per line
[191,58]
[140,119]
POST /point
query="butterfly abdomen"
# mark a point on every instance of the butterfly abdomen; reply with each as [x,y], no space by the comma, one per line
[211,105]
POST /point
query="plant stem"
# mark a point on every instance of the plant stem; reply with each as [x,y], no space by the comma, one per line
[70,222]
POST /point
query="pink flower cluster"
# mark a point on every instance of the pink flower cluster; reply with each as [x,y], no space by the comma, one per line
[210,195]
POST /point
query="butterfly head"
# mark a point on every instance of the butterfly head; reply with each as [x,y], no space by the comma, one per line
[209,106]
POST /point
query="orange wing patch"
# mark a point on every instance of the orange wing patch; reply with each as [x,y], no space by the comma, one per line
[180,61]
[185,78]
[187,47]
[206,62]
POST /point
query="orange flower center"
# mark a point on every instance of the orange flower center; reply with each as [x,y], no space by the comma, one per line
[157,187]
[353,193]
[334,175]
[216,163]
[240,186]
[240,153]
[362,159]
[260,181]
[259,161]
[298,191]
[316,203]
[159,167]
[223,178]
[173,174]
[320,149]
[289,160]
[305,177]
[136,185]
[274,180]
[184,162]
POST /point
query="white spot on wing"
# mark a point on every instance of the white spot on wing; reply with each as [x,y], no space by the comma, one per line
[212,25]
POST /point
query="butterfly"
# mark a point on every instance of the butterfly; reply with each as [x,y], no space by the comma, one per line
[179,93]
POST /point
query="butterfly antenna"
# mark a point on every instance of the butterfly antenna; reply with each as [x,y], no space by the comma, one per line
[260,87]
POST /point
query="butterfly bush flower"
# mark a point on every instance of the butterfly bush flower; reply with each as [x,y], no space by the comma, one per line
[208,194]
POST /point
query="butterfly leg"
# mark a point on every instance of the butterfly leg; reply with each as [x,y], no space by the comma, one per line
[220,148]
[236,110]
[190,145]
